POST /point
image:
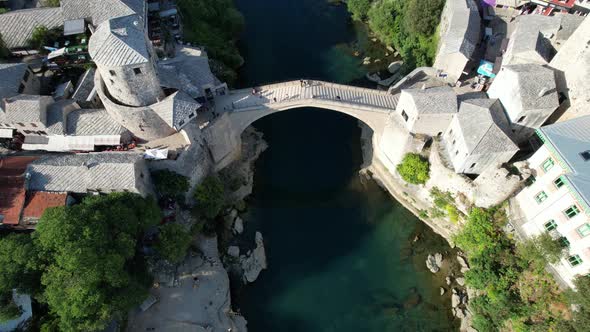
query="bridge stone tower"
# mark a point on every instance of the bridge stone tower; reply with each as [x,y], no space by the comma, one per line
[126,61]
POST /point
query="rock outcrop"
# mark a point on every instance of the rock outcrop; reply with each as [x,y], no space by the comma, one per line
[434,262]
[254,262]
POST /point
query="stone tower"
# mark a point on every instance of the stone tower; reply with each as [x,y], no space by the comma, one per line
[126,61]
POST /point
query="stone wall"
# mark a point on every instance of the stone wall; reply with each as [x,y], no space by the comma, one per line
[131,88]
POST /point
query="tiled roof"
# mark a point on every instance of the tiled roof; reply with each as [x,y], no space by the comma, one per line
[11,74]
[485,127]
[17,26]
[176,108]
[102,10]
[519,87]
[38,201]
[569,139]
[79,173]
[26,108]
[85,86]
[463,30]
[12,187]
[529,41]
[57,115]
[188,71]
[92,122]
[118,42]
[434,100]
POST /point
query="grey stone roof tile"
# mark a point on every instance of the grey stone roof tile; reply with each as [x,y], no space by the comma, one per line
[85,86]
[112,171]
[176,108]
[102,10]
[11,74]
[441,99]
[119,41]
[26,108]
[17,26]
[463,30]
[92,122]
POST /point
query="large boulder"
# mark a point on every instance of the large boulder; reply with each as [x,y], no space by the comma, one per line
[455,300]
[254,262]
[434,262]
[238,226]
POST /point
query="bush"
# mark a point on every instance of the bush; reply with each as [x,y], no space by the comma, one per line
[173,243]
[4,51]
[541,249]
[210,197]
[170,184]
[414,169]
[359,8]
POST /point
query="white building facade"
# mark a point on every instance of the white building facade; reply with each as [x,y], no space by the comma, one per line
[557,200]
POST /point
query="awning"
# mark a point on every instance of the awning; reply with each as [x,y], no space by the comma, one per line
[56,53]
[169,12]
[6,132]
[74,27]
[486,68]
[156,154]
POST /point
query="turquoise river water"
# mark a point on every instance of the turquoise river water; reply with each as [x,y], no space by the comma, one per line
[341,252]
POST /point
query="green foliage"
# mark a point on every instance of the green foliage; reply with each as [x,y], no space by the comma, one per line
[359,8]
[214,24]
[414,169]
[541,249]
[453,213]
[8,309]
[20,264]
[4,10]
[51,3]
[210,197]
[39,37]
[515,292]
[423,214]
[170,184]
[174,242]
[94,272]
[410,26]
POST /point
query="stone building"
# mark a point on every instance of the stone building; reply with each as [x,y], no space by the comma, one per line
[459,36]
[427,111]
[16,27]
[26,113]
[479,137]
[528,94]
[558,199]
[572,66]
[124,58]
[17,78]
[91,173]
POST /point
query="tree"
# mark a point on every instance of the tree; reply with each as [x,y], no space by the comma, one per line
[210,197]
[414,169]
[359,8]
[20,264]
[95,272]
[423,16]
[174,242]
[39,37]
[51,3]
[541,249]
[479,234]
[170,184]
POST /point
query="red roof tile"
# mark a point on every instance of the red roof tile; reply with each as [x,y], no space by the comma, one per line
[15,166]
[41,200]
[12,199]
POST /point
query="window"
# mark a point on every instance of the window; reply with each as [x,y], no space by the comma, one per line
[191,115]
[404,115]
[574,260]
[21,88]
[558,182]
[585,155]
[564,241]
[548,164]
[572,211]
[26,77]
[112,72]
[550,225]
[521,119]
[541,197]
[112,82]
[450,132]
[137,71]
[584,230]
[454,141]
[456,152]
[33,125]
[530,181]
[473,165]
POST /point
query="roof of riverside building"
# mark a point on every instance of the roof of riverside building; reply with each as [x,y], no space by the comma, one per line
[17,26]
[92,122]
[570,140]
[103,10]
[85,86]
[118,42]
[80,173]
[176,109]
[485,127]
[434,100]
[26,108]
[463,31]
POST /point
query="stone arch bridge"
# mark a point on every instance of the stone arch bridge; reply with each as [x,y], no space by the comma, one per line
[240,108]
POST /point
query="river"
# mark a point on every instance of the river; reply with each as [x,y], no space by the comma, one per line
[341,251]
